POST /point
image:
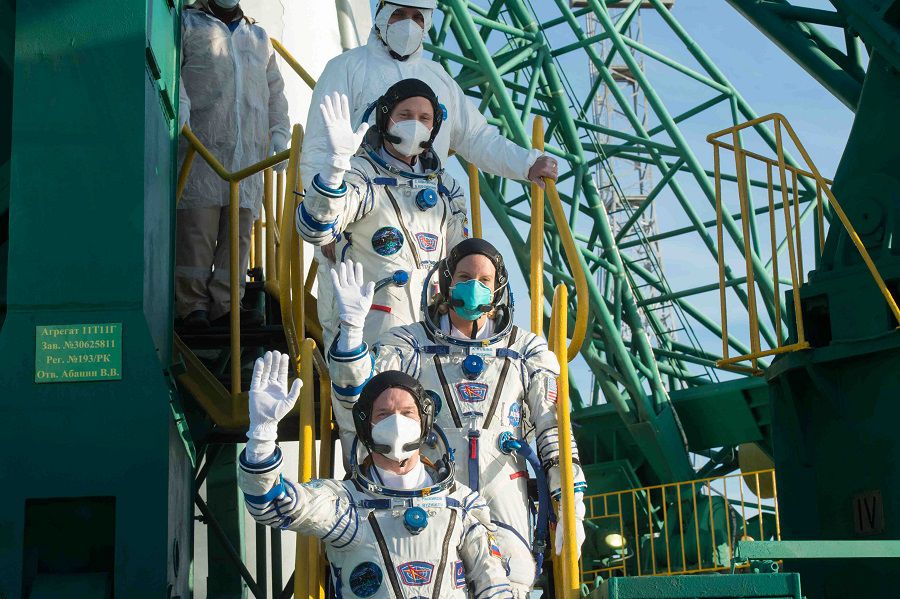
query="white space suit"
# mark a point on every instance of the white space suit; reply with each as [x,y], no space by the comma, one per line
[363,74]
[232,96]
[514,391]
[376,220]
[371,551]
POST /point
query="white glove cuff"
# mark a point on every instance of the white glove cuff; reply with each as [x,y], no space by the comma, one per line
[263,431]
[259,451]
[332,177]
[349,338]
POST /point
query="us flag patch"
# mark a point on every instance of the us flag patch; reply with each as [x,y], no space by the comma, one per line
[459,575]
[551,390]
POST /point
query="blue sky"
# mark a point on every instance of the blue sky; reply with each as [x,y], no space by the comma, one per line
[767,79]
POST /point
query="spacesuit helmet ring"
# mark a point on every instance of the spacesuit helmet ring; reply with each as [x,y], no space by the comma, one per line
[378,384]
[402,90]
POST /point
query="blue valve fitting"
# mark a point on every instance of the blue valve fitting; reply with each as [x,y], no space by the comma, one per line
[507,443]
[426,199]
[472,366]
[415,519]
[400,278]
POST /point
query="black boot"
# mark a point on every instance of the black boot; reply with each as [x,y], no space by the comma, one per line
[249,319]
[196,320]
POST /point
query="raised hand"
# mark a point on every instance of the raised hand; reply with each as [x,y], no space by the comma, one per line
[343,142]
[270,400]
[353,294]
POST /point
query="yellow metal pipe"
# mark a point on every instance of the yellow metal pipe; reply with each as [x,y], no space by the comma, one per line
[293,199]
[785,200]
[271,224]
[762,354]
[306,558]
[581,286]
[475,200]
[536,238]
[744,198]
[779,334]
[721,247]
[292,62]
[257,258]
[279,209]
[569,562]
[234,206]
[284,253]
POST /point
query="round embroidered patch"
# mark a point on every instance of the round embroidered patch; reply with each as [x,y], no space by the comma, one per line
[515,414]
[365,579]
[387,241]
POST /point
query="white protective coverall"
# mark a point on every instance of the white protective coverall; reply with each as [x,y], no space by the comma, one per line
[371,552]
[363,74]
[233,100]
[377,223]
[515,392]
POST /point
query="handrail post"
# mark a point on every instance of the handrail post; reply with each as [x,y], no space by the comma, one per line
[284,251]
[475,200]
[307,551]
[234,206]
[570,583]
[572,255]
[536,238]
[271,223]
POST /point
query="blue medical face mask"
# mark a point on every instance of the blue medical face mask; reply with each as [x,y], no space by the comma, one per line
[472,294]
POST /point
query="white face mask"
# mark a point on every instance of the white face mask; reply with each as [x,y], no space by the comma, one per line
[396,431]
[412,134]
[403,37]
[226,4]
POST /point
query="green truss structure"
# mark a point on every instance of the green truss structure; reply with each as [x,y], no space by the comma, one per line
[520,59]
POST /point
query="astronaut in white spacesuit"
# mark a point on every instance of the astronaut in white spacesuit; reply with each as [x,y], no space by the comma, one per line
[395,51]
[493,384]
[400,526]
[390,204]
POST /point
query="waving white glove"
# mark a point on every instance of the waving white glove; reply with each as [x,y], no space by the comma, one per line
[270,400]
[342,141]
[579,525]
[354,300]
[279,143]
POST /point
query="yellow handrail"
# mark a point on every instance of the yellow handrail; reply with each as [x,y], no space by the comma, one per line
[195,146]
[536,238]
[292,62]
[792,234]
[570,585]
[475,200]
[306,563]
[284,257]
[572,255]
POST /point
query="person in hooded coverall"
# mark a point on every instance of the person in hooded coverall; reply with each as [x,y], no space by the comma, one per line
[392,204]
[491,380]
[394,52]
[232,97]
[400,526]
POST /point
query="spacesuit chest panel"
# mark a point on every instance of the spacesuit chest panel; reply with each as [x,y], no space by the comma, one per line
[392,562]
[491,397]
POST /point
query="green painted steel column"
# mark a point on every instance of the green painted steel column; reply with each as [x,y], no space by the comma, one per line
[835,408]
[91,226]
[226,503]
